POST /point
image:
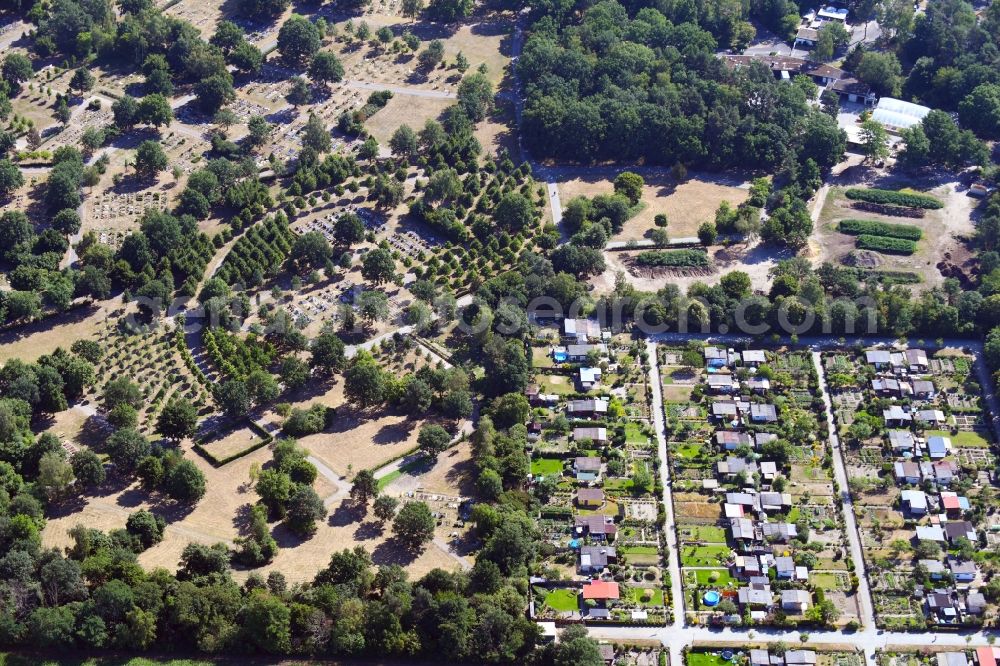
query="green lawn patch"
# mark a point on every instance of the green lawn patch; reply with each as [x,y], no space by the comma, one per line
[705,659]
[638,550]
[562,600]
[634,434]
[964,438]
[704,577]
[546,466]
[826,581]
[636,595]
[558,384]
[704,556]
[688,450]
[707,533]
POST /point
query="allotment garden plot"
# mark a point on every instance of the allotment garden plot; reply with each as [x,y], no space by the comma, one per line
[920,458]
[594,465]
[761,540]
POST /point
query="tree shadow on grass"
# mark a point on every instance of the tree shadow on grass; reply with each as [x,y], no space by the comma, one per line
[345,514]
[371,529]
[393,551]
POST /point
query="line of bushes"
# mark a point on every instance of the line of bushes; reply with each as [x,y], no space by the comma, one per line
[885,244]
[913,199]
[876,228]
[884,277]
[888,209]
[265,439]
[673,258]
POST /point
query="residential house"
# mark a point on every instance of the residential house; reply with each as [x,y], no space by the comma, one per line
[732,467]
[975,603]
[930,533]
[930,416]
[784,567]
[730,511]
[600,591]
[598,435]
[770,501]
[743,499]
[988,656]
[589,378]
[914,501]
[963,571]
[952,659]
[742,530]
[588,407]
[916,359]
[589,498]
[935,568]
[959,529]
[795,601]
[890,387]
[923,389]
[954,505]
[580,353]
[763,658]
[759,384]
[548,632]
[942,608]
[768,471]
[748,566]
[937,446]
[943,471]
[902,443]
[597,527]
[716,357]
[607,653]
[587,468]
[906,472]
[722,383]
[896,416]
[726,410]
[538,399]
[755,596]
[762,438]
[730,440]
[779,532]
[581,331]
[594,559]
[800,658]
[880,358]
[754,357]
[763,413]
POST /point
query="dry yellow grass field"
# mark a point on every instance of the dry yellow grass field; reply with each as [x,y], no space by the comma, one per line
[686,205]
[405,110]
[357,440]
[216,519]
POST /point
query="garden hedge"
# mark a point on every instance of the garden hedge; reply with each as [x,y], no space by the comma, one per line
[876,228]
[674,258]
[885,244]
[894,197]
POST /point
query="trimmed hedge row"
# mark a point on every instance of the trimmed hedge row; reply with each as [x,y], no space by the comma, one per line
[885,244]
[265,439]
[888,209]
[876,228]
[914,200]
[674,258]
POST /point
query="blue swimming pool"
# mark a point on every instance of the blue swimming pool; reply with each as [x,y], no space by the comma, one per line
[712,598]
